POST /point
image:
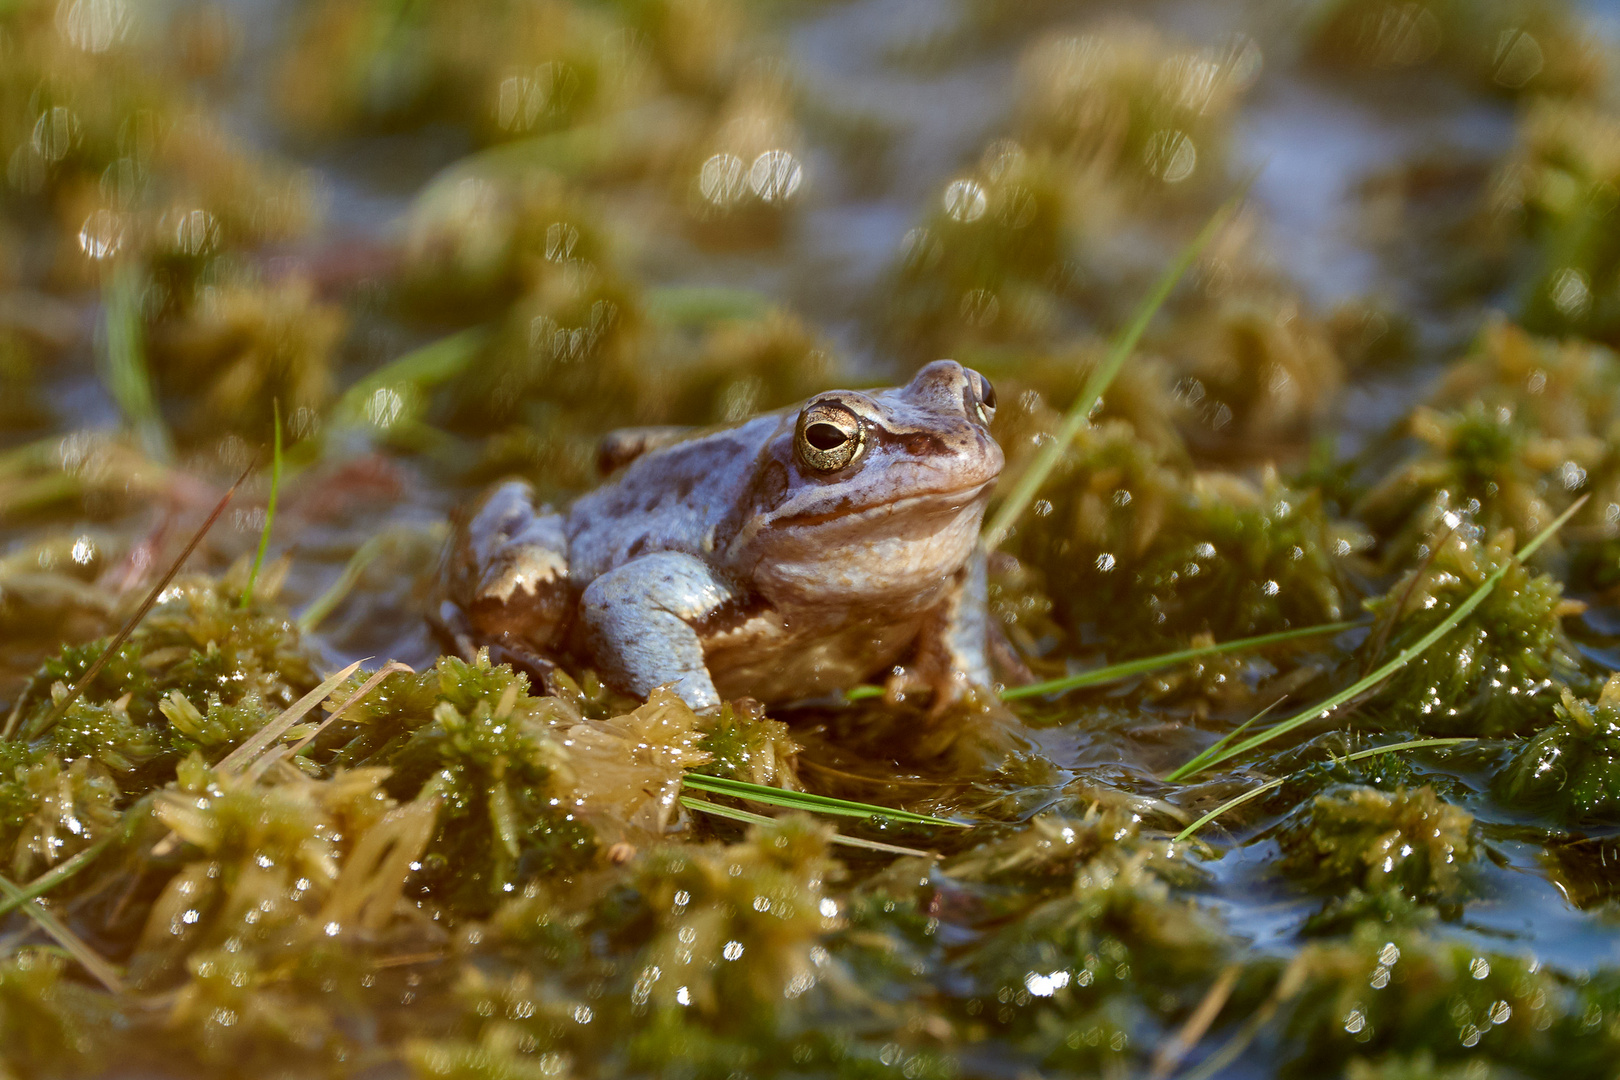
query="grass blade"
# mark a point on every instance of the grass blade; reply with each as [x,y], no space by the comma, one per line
[243,755]
[61,707]
[365,688]
[751,818]
[270,507]
[1217,754]
[421,370]
[93,961]
[1115,672]
[66,869]
[1079,414]
[1272,785]
[324,604]
[800,800]
[1124,670]
[129,382]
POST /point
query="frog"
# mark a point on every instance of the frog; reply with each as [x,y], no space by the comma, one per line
[783,558]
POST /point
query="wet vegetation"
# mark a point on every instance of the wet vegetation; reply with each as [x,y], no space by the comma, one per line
[281,831]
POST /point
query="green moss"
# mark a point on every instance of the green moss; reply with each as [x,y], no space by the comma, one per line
[51,811]
[1358,837]
[744,744]
[1122,539]
[1557,189]
[51,1025]
[1507,47]
[502,821]
[1570,770]
[1100,957]
[1515,432]
[1498,672]
[1388,992]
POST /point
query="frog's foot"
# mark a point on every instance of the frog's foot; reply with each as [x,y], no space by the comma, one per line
[949,658]
[451,625]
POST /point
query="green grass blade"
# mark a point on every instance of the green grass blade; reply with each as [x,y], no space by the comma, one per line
[56,875]
[733,814]
[421,370]
[1217,754]
[324,604]
[66,869]
[1115,672]
[93,961]
[800,800]
[127,377]
[1272,785]
[269,508]
[1079,415]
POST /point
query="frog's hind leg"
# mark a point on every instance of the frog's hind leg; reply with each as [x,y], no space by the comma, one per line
[506,576]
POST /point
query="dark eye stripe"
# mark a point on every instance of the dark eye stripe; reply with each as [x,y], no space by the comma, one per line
[915,443]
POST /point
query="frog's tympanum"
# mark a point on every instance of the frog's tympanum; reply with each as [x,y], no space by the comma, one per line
[791,556]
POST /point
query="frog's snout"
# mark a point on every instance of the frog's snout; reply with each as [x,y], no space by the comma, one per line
[947,387]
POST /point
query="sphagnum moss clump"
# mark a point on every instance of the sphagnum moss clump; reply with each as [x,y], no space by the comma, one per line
[1122,536]
[1496,674]
[1569,771]
[1364,838]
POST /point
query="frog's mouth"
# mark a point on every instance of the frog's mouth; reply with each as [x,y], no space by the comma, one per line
[941,502]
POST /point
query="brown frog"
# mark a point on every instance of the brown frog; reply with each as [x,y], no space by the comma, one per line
[794,555]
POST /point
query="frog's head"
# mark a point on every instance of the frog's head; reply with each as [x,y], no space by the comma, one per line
[872,494]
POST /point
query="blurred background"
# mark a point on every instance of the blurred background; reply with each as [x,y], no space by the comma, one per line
[449,242]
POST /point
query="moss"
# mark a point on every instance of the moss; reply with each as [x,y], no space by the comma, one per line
[51,811]
[1570,770]
[1358,837]
[243,343]
[1497,673]
[1381,992]
[1556,190]
[1508,47]
[1120,537]
[1127,101]
[51,1025]
[499,1055]
[1517,430]
[1256,371]
[744,744]
[502,821]
[1100,956]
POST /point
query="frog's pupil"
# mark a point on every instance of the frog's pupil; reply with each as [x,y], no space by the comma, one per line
[987,394]
[824,436]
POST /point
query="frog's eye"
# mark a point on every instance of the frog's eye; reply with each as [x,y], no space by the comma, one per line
[985,406]
[829,437]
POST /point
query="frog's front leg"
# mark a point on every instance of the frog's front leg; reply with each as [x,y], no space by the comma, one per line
[639,623]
